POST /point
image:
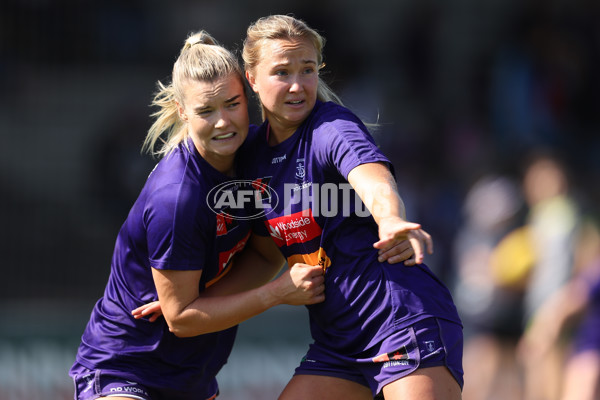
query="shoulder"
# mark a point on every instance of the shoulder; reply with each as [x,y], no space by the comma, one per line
[171,167]
[334,113]
[176,181]
[334,119]
[332,123]
[342,140]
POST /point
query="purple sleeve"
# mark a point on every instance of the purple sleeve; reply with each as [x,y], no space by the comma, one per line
[344,143]
[176,234]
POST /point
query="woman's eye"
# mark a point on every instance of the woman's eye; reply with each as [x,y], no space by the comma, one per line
[233,105]
[281,73]
[309,70]
[204,113]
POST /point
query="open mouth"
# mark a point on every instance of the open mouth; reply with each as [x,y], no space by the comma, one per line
[296,102]
[225,136]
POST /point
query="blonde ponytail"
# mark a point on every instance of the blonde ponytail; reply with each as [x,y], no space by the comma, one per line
[166,121]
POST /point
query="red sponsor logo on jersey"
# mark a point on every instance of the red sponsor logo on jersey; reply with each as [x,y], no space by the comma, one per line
[225,259]
[225,223]
[226,256]
[295,228]
[261,187]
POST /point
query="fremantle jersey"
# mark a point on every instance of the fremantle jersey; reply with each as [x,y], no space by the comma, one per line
[315,217]
[169,227]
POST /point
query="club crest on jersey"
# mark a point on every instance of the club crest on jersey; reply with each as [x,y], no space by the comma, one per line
[300,169]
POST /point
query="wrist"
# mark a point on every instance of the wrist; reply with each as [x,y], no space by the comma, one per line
[271,294]
[390,219]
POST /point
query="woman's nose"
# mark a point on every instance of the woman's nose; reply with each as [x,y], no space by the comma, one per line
[222,120]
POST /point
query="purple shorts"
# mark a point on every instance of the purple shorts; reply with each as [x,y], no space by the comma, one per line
[427,343]
[91,384]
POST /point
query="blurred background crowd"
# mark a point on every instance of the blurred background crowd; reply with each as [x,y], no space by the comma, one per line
[489,110]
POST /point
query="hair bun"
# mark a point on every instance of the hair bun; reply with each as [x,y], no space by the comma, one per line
[201,37]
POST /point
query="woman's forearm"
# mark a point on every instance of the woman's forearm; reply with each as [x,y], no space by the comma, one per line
[376,187]
[301,284]
[216,313]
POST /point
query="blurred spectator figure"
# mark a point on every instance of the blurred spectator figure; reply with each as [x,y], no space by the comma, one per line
[570,319]
[489,302]
[553,223]
[507,268]
[553,219]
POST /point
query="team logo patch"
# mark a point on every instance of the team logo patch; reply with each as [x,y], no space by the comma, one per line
[300,169]
[429,345]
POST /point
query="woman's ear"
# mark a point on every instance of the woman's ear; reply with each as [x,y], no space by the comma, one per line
[181,112]
[251,81]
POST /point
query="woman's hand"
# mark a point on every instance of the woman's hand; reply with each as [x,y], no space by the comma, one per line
[300,285]
[376,186]
[393,231]
[152,309]
[402,251]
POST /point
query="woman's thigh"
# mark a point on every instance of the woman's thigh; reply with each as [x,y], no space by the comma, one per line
[435,383]
[302,387]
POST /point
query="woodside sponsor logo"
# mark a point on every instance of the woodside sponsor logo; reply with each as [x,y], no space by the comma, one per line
[299,227]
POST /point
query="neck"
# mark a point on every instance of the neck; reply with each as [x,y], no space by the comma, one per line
[224,167]
[223,164]
[277,134]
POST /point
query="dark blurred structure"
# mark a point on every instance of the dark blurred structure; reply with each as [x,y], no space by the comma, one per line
[460,89]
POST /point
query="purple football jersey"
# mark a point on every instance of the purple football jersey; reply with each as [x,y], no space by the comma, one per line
[171,226]
[315,217]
